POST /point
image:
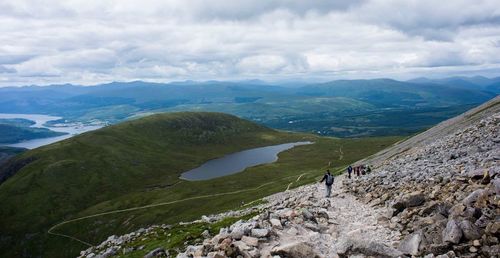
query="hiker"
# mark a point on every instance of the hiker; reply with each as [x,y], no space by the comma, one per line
[368,169]
[349,171]
[363,170]
[328,178]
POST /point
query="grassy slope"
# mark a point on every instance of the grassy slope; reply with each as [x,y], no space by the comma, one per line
[135,163]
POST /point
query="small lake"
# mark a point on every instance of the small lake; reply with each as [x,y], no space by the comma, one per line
[40,120]
[238,161]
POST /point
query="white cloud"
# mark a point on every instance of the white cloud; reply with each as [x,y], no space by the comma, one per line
[89,42]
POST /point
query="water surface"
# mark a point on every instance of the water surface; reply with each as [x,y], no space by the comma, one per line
[40,120]
[238,161]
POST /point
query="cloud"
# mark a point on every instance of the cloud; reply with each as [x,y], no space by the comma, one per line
[430,19]
[89,42]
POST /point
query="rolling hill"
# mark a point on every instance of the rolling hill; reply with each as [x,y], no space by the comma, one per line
[138,163]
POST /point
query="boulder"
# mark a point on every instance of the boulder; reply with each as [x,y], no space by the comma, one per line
[398,206]
[250,241]
[473,197]
[355,243]
[407,201]
[295,250]
[259,232]
[411,243]
[276,223]
[239,229]
[308,215]
[469,230]
[457,210]
[452,233]
[414,199]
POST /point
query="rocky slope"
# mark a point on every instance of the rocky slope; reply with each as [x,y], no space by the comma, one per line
[436,195]
[443,196]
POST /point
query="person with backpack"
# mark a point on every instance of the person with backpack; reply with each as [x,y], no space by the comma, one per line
[349,171]
[329,179]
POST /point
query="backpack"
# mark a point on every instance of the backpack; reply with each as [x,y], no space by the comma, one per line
[329,179]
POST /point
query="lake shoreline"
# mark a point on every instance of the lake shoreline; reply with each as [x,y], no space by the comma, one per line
[239,161]
[41,121]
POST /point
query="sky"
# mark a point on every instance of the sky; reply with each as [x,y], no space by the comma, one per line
[95,41]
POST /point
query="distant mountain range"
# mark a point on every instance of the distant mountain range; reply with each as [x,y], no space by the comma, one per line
[476,82]
[345,108]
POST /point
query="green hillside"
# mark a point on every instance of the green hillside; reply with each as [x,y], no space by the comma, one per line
[138,163]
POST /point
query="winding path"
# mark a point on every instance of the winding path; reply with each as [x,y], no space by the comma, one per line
[51,230]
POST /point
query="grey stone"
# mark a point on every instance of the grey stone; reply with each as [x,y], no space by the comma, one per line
[469,230]
[251,241]
[350,246]
[414,199]
[452,233]
[259,232]
[205,234]
[239,229]
[296,250]
[472,197]
[407,201]
[411,243]
[276,223]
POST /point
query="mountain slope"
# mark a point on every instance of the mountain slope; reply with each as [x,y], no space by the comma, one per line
[74,174]
[136,164]
[441,130]
[441,189]
[437,197]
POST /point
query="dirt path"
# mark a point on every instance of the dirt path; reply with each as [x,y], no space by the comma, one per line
[347,218]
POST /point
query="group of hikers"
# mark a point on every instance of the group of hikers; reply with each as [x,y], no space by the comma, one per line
[329,179]
[358,170]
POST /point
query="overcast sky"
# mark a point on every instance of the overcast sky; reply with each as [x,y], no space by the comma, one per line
[88,42]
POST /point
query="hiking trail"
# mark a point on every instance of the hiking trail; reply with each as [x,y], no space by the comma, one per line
[312,224]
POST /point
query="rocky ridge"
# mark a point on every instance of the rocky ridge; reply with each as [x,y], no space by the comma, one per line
[443,196]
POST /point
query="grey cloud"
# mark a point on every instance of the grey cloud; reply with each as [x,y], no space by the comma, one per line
[244,9]
[4,69]
[88,42]
[430,19]
[14,59]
